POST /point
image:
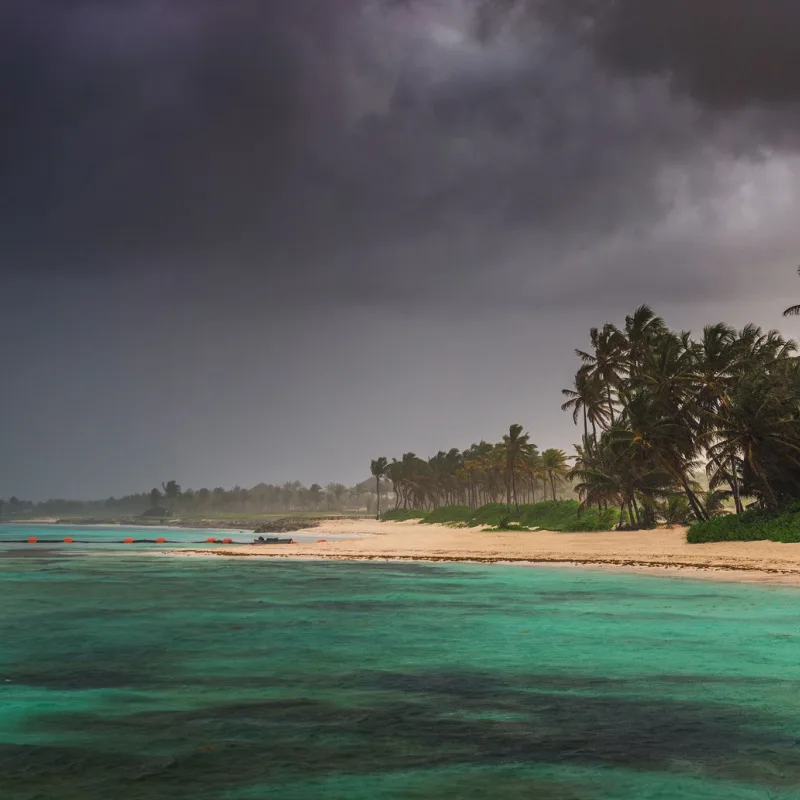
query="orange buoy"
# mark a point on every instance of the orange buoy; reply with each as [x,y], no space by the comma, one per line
[211,541]
[227,541]
[32,540]
[69,541]
[128,540]
[161,540]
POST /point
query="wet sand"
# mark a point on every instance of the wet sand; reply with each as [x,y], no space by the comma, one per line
[663,551]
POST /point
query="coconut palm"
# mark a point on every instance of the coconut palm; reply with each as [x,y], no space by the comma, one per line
[554,464]
[728,401]
[378,469]
[515,449]
[607,363]
[586,399]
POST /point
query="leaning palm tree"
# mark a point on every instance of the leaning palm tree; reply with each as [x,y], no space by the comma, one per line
[378,468]
[793,311]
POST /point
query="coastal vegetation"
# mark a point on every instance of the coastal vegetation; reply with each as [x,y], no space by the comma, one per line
[551,515]
[656,406]
[674,429]
[171,500]
[512,470]
[753,525]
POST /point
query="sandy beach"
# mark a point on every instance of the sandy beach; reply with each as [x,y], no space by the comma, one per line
[663,551]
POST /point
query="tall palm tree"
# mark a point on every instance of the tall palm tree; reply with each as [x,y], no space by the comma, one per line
[607,363]
[586,398]
[642,328]
[378,469]
[515,449]
[793,311]
[554,463]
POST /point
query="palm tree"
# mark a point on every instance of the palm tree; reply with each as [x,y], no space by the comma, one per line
[728,401]
[515,448]
[793,311]
[378,469]
[607,363]
[554,463]
[172,491]
[586,399]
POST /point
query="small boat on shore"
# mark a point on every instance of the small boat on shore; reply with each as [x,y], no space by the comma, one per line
[272,540]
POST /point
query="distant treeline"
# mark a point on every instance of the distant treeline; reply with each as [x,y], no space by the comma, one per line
[512,469]
[171,499]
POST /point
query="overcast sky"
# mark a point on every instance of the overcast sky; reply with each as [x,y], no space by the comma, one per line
[250,241]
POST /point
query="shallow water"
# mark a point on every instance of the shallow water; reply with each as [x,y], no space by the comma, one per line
[153,678]
[105,536]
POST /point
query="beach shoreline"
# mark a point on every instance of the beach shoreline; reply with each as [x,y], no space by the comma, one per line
[663,551]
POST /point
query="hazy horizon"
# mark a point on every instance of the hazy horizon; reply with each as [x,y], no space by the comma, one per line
[258,242]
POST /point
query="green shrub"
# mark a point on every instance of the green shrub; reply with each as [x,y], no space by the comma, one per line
[558,515]
[751,526]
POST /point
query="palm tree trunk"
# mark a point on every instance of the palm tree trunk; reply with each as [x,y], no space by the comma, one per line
[734,482]
[378,493]
[635,507]
[694,502]
[514,489]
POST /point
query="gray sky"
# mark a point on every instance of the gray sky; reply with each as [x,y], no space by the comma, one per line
[250,241]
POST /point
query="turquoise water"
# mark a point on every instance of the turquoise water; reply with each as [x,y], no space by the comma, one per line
[158,678]
[107,535]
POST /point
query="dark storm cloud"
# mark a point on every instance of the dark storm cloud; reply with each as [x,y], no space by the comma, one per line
[442,200]
[725,53]
[371,150]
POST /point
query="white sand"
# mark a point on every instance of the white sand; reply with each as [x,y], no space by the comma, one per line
[664,551]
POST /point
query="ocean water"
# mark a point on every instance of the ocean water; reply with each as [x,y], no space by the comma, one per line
[157,678]
[104,536]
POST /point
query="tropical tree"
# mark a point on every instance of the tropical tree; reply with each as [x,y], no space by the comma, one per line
[605,363]
[587,399]
[378,468]
[172,491]
[555,466]
[515,450]
[729,402]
